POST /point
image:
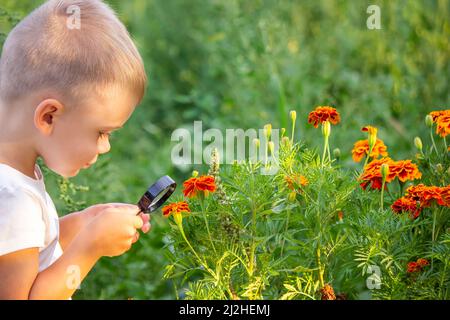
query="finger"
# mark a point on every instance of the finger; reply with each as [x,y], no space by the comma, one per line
[137,222]
[145,217]
[146,227]
[146,222]
[136,237]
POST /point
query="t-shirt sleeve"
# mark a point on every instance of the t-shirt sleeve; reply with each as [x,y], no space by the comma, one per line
[21,221]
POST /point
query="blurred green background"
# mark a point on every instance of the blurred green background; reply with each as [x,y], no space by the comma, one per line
[242,64]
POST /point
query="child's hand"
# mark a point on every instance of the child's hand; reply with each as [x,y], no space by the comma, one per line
[91,212]
[114,229]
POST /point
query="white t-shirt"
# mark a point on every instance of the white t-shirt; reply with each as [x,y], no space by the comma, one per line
[28,217]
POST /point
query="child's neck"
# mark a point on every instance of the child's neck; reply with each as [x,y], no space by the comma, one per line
[17,154]
[26,168]
[16,145]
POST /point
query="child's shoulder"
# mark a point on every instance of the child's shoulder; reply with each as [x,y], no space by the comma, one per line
[18,191]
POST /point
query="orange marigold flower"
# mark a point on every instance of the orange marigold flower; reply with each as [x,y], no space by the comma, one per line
[417,266]
[405,204]
[361,149]
[175,208]
[405,170]
[322,114]
[437,114]
[372,174]
[193,185]
[442,120]
[371,130]
[424,194]
[422,262]
[443,125]
[296,180]
[413,267]
[445,196]
[327,293]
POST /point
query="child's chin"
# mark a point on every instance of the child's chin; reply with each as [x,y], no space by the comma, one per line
[70,174]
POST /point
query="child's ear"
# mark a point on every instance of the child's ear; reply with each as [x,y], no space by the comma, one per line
[45,114]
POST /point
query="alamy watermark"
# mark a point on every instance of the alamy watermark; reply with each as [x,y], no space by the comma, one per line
[374,280]
[195,147]
[374,20]
[74,19]
[73,280]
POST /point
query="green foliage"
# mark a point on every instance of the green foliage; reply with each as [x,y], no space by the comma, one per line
[264,243]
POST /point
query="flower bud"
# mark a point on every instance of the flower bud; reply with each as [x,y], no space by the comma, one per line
[372,140]
[429,121]
[384,171]
[178,218]
[271,147]
[285,141]
[268,130]
[418,143]
[326,128]
[372,135]
[256,142]
[194,173]
[293,115]
[337,153]
[292,196]
[283,131]
[439,168]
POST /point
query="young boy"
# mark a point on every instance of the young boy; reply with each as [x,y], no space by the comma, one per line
[69,76]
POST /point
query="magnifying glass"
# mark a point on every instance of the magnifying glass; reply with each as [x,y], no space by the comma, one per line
[157,194]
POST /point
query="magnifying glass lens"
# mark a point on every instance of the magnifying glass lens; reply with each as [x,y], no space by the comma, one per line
[157,194]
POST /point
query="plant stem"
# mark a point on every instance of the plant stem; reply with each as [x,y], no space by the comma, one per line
[328,151]
[382,193]
[319,266]
[253,247]
[292,133]
[325,147]
[267,153]
[434,232]
[445,144]
[252,259]
[192,249]
[432,140]
[285,230]
[207,224]
[368,156]
[433,236]
[402,185]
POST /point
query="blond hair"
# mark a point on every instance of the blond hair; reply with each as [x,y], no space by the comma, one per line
[46,50]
